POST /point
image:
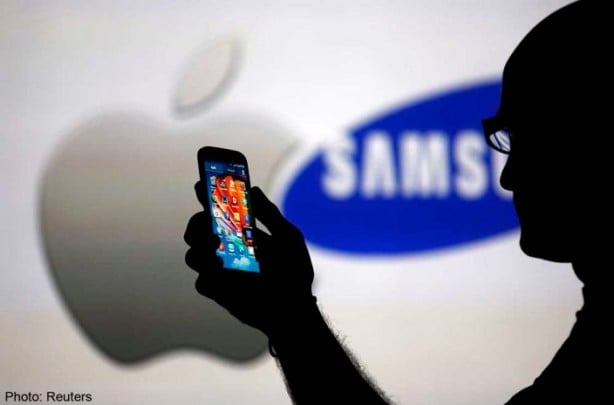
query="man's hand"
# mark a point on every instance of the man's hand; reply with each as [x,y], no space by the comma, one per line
[278,301]
[266,300]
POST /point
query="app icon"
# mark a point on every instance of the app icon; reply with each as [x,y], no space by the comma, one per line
[221,248]
[212,180]
[232,183]
[224,199]
[250,250]
[247,218]
[226,215]
[223,184]
[234,200]
[218,230]
[231,248]
[244,201]
[216,212]
[237,217]
[248,233]
[239,234]
[241,185]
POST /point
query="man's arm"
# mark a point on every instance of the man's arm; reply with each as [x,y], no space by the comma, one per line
[318,370]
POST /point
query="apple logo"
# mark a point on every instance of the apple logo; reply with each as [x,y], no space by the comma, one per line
[115,200]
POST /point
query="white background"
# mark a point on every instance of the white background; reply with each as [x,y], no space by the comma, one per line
[464,326]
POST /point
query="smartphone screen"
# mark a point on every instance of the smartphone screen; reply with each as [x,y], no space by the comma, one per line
[231,213]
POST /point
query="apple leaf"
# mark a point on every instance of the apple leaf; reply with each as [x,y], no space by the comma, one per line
[208,75]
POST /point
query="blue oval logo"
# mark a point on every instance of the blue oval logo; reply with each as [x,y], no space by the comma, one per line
[418,178]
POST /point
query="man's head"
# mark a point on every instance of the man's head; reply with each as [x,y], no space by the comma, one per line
[552,104]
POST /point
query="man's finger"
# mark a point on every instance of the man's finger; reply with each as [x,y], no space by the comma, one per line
[267,212]
[198,229]
[265,247]
[194,259]
[204,258]
[199,232]
[262,239]
[202,195]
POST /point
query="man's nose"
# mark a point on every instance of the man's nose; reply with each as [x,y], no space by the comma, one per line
[507,174]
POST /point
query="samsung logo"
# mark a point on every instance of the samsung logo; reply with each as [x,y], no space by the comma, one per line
[418,178]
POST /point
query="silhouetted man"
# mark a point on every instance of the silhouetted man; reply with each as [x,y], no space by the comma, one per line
[551,122]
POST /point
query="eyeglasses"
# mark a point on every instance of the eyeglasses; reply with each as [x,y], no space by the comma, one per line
[498,136]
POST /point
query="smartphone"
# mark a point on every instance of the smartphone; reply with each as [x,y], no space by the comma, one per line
[226,176]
